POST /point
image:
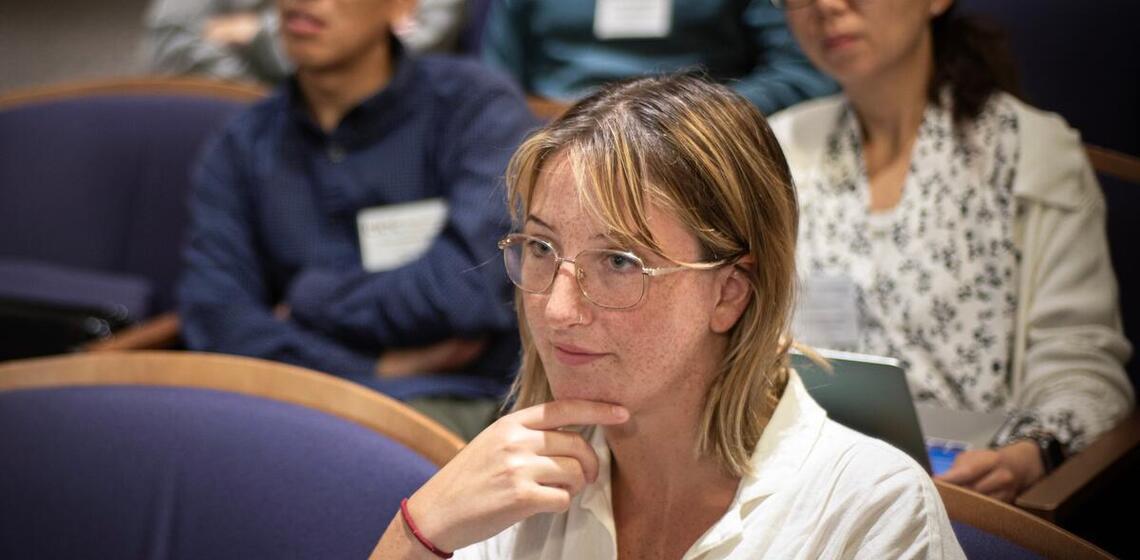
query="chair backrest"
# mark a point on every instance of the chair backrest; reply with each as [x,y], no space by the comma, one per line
[181,455]
[94,176]
[989,529]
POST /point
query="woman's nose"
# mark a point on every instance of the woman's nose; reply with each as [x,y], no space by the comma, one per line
[830,7]
[566,305]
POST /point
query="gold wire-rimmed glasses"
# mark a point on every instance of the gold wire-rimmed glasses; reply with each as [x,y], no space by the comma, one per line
[606,277]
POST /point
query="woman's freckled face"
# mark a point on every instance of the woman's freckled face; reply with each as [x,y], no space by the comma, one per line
[641,357]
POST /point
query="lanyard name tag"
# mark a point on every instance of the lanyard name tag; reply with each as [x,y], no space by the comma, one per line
[826,314]
[394,235]
[632,19]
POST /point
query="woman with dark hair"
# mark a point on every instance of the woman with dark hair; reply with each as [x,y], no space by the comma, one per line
[654,413]
[967,226]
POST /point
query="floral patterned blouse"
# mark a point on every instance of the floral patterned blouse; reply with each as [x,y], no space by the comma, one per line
[936,276]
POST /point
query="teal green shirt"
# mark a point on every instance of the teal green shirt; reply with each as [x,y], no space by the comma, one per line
[550,48]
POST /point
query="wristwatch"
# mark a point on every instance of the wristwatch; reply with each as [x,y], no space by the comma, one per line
[1052,452]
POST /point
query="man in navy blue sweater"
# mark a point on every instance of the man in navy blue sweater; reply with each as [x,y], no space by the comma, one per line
[348,222]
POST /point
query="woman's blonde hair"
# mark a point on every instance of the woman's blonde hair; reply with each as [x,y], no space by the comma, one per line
[706,154]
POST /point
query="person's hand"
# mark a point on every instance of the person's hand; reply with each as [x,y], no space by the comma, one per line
[521,465]
[447,355]
[1001,473]
[232,30]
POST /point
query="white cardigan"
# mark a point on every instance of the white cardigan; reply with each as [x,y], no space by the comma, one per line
[1068,337]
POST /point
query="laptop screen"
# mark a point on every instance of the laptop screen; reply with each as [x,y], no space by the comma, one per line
[868,394]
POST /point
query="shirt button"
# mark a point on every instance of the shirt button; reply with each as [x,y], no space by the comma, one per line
[335,153]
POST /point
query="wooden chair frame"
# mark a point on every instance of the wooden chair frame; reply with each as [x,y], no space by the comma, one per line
[546,109]
[248,376]
[136,85]
[1015,525]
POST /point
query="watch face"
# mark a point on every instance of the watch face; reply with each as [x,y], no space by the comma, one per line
[1052,454]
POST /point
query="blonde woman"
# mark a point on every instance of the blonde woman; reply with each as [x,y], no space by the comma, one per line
[654,415]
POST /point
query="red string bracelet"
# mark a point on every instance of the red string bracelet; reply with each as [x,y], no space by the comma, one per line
[419,537]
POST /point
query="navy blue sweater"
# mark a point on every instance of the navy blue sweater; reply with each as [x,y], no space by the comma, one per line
[274,221]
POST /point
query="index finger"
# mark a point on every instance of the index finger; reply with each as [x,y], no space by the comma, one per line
[559,414]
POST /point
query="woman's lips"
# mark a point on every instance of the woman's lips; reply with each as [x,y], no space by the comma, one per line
[300,23]
[574,356]
[836,42]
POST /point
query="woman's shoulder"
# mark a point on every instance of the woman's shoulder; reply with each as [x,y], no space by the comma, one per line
[805,125]
[850,454]
[863,474]
[878,487]
[1053,167]
[854,492]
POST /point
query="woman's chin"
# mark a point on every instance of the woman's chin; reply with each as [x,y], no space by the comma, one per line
[575,391]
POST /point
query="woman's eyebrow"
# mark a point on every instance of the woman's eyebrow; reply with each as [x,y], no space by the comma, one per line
[535,219]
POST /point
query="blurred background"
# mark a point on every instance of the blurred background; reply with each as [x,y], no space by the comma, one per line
[47,42]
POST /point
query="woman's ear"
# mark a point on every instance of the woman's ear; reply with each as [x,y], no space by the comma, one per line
[938,7]
[734,295]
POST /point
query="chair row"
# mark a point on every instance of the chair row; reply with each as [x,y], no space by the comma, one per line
[186,455]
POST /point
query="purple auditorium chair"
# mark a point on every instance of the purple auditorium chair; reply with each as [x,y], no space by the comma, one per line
[177,455]
[991,530]
[93,183]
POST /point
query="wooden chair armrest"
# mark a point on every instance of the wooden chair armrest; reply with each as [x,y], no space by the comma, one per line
[546,109]
[1116,164]
[1058,494]
[1019,527]
[157,333]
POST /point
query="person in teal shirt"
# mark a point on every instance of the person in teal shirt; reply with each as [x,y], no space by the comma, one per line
[564,50]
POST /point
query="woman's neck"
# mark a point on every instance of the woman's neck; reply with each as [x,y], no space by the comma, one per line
[665,496]
[664,447]
[890,104]
[332,92]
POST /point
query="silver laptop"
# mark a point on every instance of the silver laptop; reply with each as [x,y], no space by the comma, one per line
[869,394]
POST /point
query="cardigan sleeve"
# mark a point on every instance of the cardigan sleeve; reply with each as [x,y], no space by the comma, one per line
[1072,381]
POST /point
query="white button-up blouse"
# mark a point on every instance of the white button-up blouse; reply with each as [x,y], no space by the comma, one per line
[817,490]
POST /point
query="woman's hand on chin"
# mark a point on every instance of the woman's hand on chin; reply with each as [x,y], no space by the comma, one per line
[521,465]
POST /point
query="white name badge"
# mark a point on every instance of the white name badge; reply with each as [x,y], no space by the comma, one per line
[826,315]
[632,19]
[394,235]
